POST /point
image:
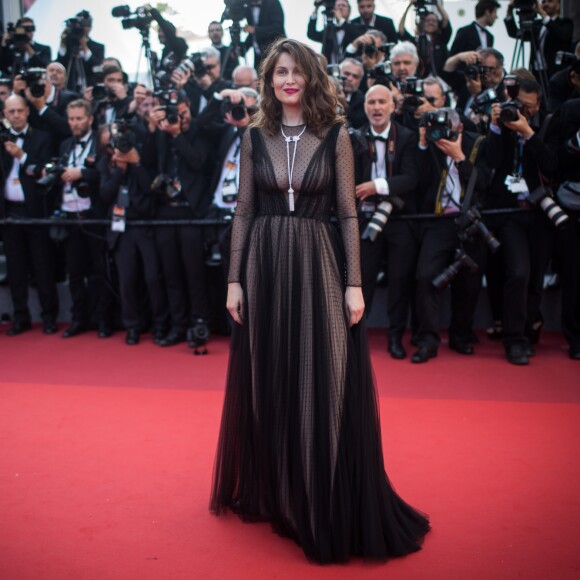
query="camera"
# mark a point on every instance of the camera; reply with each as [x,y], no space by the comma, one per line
[460,261]
[102,92]
[568,58]
[198,334]
[438,125]
[237,110]
[382,73]
[75,27]
[236,10]
[509,109]
[542,197]
[470,225]
[421,6]
[19,34]
[122,137]
[476,71]
[380,217]
[52,172]
[164,185]
[169,100]
[35,79]
[140,18]
[481,103]
[412,89]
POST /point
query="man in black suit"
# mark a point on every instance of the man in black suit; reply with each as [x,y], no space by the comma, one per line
[565,84]
[446,168]
[228,58]
[551,34]
[368,19]
[26,53]
[85,246]
[385,155]
[28,248]
[338,32]
[179,152]
[352,73]
[265,25]
[80,56]
[116,102]
[476,35]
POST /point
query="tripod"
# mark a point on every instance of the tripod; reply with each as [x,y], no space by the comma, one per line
[424,44]
[149,55]
[329,35]
[235,46]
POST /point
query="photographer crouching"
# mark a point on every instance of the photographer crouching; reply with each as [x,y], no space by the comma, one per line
[176,152]
[125,187]
[454,175]
[522,149]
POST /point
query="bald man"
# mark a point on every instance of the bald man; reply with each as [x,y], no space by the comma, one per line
[386,177]
[27,248]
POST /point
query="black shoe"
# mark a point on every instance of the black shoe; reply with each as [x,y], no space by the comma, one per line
[50,328]
[18,328]
[530,352]
[423,354]
[516,354]
[173,338]
[574,352]
[158,336]
[132,337]
[461,346]
[74,329]
[396,349]
[104,330]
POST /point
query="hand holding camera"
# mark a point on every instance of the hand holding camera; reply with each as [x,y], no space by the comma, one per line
[71,174]
[452,149]
[520,126]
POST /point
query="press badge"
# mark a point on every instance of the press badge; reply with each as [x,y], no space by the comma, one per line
[229,191]
[516,184]
[118,223]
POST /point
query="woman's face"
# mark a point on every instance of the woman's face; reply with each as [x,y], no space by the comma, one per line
[288,81]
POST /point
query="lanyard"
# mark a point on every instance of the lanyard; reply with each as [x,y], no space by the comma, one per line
[84,151]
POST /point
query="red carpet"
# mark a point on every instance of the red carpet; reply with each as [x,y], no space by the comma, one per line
[107,450]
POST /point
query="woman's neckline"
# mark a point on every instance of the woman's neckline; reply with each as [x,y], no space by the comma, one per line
[293,126]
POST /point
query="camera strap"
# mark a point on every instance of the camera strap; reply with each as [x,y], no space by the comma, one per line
[439,209]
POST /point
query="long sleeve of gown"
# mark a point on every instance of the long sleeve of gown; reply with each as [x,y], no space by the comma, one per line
[346,207]
[245,209]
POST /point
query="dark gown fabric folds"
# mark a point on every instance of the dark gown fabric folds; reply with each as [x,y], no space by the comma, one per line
[300,440]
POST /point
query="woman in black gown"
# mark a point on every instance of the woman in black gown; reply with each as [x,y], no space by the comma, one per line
[300,441]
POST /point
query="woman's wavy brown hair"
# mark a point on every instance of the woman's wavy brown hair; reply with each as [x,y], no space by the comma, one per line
[319,101]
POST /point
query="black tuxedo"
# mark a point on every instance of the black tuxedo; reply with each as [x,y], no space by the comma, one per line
[351,31]
[195,93]
[268,28]
[467,38]
[382,23]
[397,241]
[558,37]
[97,56]
[28,249]
[355,114]
[41,58]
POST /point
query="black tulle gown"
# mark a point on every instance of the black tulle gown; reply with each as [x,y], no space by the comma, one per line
[300,441]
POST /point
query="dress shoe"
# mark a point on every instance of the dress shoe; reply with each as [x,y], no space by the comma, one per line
[74,329]
[104,330]
[132,337]
[574,352]
[530,351]
[396,349]
[423,354]
[18,328]
[173,338]
[158,336]
[49,328]
[461,346]
[516,354]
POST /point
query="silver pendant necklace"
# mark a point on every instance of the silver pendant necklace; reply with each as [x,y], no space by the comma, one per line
[292,139]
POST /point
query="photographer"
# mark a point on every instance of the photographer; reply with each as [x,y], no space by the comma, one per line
[85,245]
[351,75]
[427,96]
[28,248]
[522,150]
[568,238]
[565,84]
[369,47]
[432,35]
[337,33]
[475,35]
[174,47]
[245,76]
[177,153]
[125,189]
[228,58]
[265,24]
[447,157]
[20,50]
[79,54]
[547,35]
[110,99]
[386,178]
[369,20]
[471,75]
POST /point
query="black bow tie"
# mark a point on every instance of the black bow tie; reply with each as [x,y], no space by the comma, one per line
[379,138]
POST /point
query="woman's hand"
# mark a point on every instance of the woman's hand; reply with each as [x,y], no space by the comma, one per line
[235,302]
[355,304]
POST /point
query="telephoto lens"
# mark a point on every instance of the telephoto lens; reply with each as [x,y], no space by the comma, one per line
[541,197]
[380,218]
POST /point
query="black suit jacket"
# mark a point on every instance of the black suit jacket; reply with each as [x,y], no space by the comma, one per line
[270,27]
[382,23]
[355,114]
[558,37]
[433,161]
[41,58]
[561,89]
[467,38]
[97,56]
[54,119]
[38,147]
[403,180]
[351,31]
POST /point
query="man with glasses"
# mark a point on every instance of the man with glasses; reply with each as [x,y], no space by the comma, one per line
[351,75]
